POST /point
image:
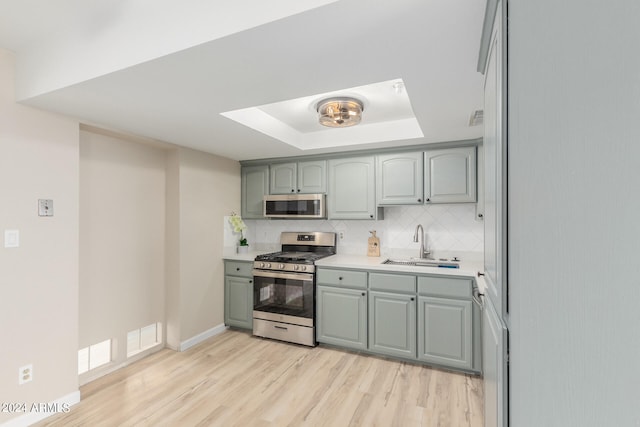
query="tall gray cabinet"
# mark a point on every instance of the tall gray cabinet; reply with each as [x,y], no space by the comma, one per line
[492,63]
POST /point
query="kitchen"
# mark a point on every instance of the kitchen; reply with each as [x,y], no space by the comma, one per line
[572,133]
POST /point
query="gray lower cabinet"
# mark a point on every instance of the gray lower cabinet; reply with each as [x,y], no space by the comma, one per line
[392,324]
[428,318]
[238,294]
[445,335]
[341,317]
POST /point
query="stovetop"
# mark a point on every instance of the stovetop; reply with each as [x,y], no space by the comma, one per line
[292,257]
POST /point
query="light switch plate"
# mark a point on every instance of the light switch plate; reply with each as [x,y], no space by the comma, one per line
[11,238]
[45,207]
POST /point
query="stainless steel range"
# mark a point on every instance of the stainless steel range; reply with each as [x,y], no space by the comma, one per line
[284,287]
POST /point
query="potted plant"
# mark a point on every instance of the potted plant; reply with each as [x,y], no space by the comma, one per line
[239,226]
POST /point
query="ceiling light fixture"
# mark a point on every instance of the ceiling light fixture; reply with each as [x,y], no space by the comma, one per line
[340,112]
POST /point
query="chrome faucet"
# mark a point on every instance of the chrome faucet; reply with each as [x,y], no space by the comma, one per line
[423,252]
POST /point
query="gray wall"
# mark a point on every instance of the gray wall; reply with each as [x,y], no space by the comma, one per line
[574,174]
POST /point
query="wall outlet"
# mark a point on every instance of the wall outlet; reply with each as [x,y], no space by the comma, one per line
[25,374]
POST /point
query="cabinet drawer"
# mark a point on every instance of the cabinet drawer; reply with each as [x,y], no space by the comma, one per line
[238,268]
[392,282]
[347,278]
[445,286]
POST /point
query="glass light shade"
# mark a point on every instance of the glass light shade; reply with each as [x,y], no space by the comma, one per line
[340,112]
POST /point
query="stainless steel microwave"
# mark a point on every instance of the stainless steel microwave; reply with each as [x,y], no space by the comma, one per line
[295,206]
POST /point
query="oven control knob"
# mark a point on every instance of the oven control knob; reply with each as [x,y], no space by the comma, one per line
[304,267]
[296,267]
[262,265]
[268,265]
[281,266]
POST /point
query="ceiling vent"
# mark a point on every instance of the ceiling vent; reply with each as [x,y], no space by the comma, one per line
[476,118]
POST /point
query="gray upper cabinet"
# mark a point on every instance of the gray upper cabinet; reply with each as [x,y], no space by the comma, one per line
[399,178]
[312,176]
[352,188]
[255,185]
[450,175]
[301,177]
[283,178]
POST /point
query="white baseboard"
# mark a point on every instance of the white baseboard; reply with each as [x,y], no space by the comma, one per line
[185,345]
[39,411]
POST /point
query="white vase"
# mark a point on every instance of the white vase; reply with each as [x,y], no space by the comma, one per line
[243,249]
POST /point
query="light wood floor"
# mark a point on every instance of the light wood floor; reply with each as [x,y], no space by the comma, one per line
[235,379]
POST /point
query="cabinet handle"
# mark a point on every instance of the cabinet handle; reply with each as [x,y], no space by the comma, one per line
[480,274]
[340,278]
[480,215]
[281,327]
[370,216]
[428,200]
[419,200]
[250,281]
[413,299]
[298,190]
[364,294]
[292,190]
[237,268]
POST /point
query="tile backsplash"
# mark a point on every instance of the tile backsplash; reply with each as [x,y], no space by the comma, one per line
[449,228]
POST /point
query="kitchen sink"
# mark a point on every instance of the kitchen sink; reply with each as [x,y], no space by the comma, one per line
[422,263]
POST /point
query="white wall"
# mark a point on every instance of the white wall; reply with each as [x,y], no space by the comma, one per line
[207,189]
[39,279]
[574,229]
[122,33]
[449,228]
[122,239]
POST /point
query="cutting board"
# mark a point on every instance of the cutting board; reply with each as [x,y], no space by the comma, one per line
[373,247]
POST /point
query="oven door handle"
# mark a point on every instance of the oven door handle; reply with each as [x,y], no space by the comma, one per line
[283,275]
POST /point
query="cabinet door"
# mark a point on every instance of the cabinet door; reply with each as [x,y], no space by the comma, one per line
[399,179]
[312,177]
[283,178]
[392,324]
[444,332]
[351,188]
[238,302]
[450,175]
[341,317]
[255,185]
[494,354]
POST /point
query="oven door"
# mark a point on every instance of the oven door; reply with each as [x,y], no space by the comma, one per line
[284,294]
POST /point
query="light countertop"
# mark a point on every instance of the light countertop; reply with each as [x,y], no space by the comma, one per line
[249,256]
[467,268]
